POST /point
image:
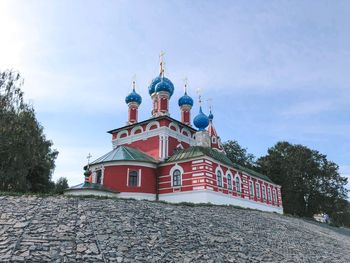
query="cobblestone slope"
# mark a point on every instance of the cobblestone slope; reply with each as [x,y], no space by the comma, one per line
[34,229]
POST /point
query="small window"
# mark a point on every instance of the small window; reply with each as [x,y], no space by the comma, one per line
[133,179]
[251,188]
[269,194]
[264,192]
[98,176]
[257,186]
[238,184]
[229,182]
[177,178]
[219,178]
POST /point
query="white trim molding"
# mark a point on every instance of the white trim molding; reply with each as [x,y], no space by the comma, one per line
[216,198]
[161,131]
[126,163]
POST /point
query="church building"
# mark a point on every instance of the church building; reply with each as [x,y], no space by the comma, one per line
[165,159]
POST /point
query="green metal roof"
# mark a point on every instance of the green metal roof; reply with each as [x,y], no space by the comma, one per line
[90,186]
[124,153]
[198,151]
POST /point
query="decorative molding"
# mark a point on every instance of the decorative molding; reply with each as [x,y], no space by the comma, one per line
[121,133]
[136,128]
[161,131]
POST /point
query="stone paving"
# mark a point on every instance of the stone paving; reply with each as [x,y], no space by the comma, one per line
[61,229]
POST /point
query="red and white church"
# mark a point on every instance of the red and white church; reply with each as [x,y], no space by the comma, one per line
[164,159]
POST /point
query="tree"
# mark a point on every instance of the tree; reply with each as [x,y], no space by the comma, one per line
[26,157]
[61,185]
[239,155]
[310,183]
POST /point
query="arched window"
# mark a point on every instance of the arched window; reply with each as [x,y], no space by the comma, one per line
[264,192]
[177,178]
[219,178]
[257,186]
[98,176]
[229,182]
[274,197]
[251,188]
[133,179]
[238,184]
[269,194]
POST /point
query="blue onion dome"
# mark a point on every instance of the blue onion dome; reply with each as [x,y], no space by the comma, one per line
[164,86]
[133,97]
[152,86]
[210,116]
[185,100]
[201,121]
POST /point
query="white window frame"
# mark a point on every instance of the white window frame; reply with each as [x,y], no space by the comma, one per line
[180,178]
[251,188]
[171,172]
[137,178]
[229,186]
[221,184]
[238,189]
[269,197]
[264,192]
[257,187]
[274,196]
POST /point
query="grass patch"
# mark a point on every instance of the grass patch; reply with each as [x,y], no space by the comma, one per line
[29,194]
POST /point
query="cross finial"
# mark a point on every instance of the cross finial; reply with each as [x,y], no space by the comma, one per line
[134,82]
[210,101]
[161,63]
[185,84]
[199,93]
[88,158]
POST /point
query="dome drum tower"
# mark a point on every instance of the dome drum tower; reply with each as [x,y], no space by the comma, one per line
[133,100]
[185,104]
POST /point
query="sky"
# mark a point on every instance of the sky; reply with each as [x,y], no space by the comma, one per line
[274,70]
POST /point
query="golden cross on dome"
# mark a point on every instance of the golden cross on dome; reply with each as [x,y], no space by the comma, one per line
[161,63]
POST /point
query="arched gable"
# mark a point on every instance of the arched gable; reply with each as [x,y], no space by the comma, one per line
[120,134]
[173,126]
[151,124]
[186,132]
[136,129]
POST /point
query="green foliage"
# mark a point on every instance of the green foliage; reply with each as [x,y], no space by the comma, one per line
[341,215]
[26,158]
[61,185]
[239,155]
[311,184]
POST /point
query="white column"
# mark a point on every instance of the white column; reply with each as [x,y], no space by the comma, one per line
[166,146]
[127,178]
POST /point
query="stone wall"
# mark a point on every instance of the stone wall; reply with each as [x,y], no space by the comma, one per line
[61,229]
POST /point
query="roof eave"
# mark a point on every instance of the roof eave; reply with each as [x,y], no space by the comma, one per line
[151,119]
